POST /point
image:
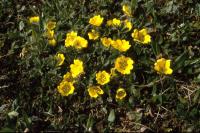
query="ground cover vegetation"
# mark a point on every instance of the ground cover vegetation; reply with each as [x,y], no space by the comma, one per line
[100,65]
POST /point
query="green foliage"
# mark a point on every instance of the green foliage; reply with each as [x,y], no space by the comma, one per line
[157,103]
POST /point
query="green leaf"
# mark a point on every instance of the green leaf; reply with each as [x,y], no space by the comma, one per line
[196,96]
[21,25]
[192,62]
[154,90]
[157,98]
[155,48]
[180,60]
[170,7]
[111,117]
[198,77]
[182,100]
[1,44]
[134,4]
[198,9]
[13,114]
[90,123]
[160,99]
[3,107]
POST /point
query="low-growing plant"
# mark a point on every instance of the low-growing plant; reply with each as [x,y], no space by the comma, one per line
[109,65]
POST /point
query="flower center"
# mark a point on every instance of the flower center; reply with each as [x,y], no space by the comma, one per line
[66,88]
[120,94]
[140,36]
[123,64]
[103,78]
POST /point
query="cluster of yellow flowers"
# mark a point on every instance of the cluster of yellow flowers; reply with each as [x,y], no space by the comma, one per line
[72,39]
[140,36]
[117,22]
[114,22]
[50,26]
[66,87]
[95,91]
[122,64]
[121,45]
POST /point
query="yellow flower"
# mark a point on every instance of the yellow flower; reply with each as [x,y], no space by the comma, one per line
[96,20]
[114,22]
[34,19]
[77,68]
[127,10]
[141,36]
[66,88]
[121,93]
[76,41]
[70,38]
[95,91]
[80,42]
[50,25]
[50,34]
[93,35]
[121,45]
[102,77]
[128,25]
[68,77]
[52,42]
[109,22]
[60,59]
[162,66]
[124,64]
[106,41]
